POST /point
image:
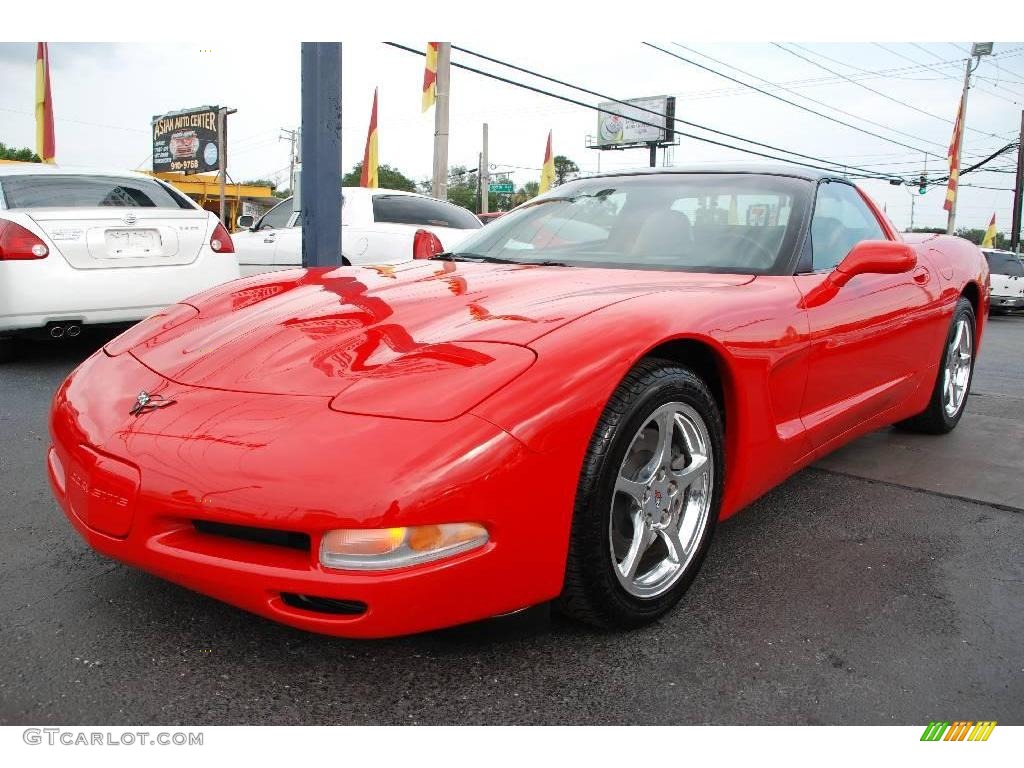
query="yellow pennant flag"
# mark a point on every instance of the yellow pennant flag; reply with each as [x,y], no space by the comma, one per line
[430,77]
[547,172]
[989,240]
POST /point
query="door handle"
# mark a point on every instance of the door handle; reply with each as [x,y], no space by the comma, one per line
[922,275]
[269,238]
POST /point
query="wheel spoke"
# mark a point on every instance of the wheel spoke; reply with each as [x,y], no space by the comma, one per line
[662,457]
[692,471]
[641,541]
[635,490]
[958,336]
[676,552]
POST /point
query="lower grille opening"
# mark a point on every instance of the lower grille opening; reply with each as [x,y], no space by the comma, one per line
[290,539]
[324,604]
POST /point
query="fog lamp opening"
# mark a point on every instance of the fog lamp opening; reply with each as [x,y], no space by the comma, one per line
[385,548]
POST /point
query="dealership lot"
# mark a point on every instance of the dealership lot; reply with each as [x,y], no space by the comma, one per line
[884,586]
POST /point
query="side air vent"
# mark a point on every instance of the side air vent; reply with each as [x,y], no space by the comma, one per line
[324,604]
[290,539]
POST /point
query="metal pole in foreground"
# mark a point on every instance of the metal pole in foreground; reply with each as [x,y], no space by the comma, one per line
[321,155]
[654,154]
[1018,192]
[439,188]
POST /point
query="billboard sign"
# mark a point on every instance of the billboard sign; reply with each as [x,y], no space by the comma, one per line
[632,122]
[186,141]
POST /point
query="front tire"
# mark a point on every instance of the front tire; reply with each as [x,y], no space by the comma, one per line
[648,498]
[953,381]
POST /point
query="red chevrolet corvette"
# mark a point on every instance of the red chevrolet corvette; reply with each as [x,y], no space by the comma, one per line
[562,409]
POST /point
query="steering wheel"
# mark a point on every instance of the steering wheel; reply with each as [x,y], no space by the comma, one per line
[765,255]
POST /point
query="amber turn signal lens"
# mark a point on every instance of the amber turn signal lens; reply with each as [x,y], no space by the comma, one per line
[384,548]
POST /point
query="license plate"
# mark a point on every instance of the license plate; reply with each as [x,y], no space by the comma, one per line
[133,242]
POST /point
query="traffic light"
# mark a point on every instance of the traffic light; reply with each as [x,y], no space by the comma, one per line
[922,185]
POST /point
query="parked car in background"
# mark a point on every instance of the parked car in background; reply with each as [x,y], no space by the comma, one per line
[1007,279]
[487,218]
[379,226]
[95,247]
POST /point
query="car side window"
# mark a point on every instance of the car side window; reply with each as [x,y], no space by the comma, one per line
[841,220]
[278,216]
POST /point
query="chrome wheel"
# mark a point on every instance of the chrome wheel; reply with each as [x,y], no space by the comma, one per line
[957,373]
[661,501]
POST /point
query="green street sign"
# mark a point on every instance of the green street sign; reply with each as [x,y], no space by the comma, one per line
[504,187]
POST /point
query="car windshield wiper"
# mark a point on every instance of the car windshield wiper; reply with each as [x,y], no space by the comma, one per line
[477,257]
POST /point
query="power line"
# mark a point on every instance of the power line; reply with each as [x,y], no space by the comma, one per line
[816,101]
[680,121]
[787,101]
[944,75]
[491,75]
[877,92]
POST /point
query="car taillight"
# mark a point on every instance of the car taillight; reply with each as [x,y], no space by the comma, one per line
[425,244]
[221,242]
[18,243]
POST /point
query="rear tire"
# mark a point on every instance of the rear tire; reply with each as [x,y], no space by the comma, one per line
[648,498]
[953,380]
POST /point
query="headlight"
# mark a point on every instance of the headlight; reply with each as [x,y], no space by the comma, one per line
[376,549]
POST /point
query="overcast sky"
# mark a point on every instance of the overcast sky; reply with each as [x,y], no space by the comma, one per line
[105,95]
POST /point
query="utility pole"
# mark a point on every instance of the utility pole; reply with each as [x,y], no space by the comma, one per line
[443,84]
[977,51]
[293,139]
[485,176]
[222,160]
[1018,191]
[320,196]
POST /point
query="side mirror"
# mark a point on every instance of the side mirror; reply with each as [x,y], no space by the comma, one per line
[245,222]
[868,257]
[876,257]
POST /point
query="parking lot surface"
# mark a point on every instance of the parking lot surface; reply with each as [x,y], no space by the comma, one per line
[884,586]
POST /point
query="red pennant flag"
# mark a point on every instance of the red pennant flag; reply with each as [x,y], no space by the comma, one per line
[45,143]
[368,178]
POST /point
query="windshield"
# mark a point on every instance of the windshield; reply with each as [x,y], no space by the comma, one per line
[712,222]
[1004,263]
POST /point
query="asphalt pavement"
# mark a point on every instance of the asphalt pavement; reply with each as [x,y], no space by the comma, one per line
[884,586]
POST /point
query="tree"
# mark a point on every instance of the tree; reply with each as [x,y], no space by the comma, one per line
[388,177]
[25,155]
[260,183]
[565,169]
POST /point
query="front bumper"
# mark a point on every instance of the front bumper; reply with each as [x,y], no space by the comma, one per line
[134,488]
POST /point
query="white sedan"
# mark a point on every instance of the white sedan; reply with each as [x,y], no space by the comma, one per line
[90,247]
[1007,275]
[379,226]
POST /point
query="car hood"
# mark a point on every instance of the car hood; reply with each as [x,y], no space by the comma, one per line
[316,331]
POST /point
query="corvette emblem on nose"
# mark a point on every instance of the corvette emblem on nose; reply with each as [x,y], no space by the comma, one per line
[146,402]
